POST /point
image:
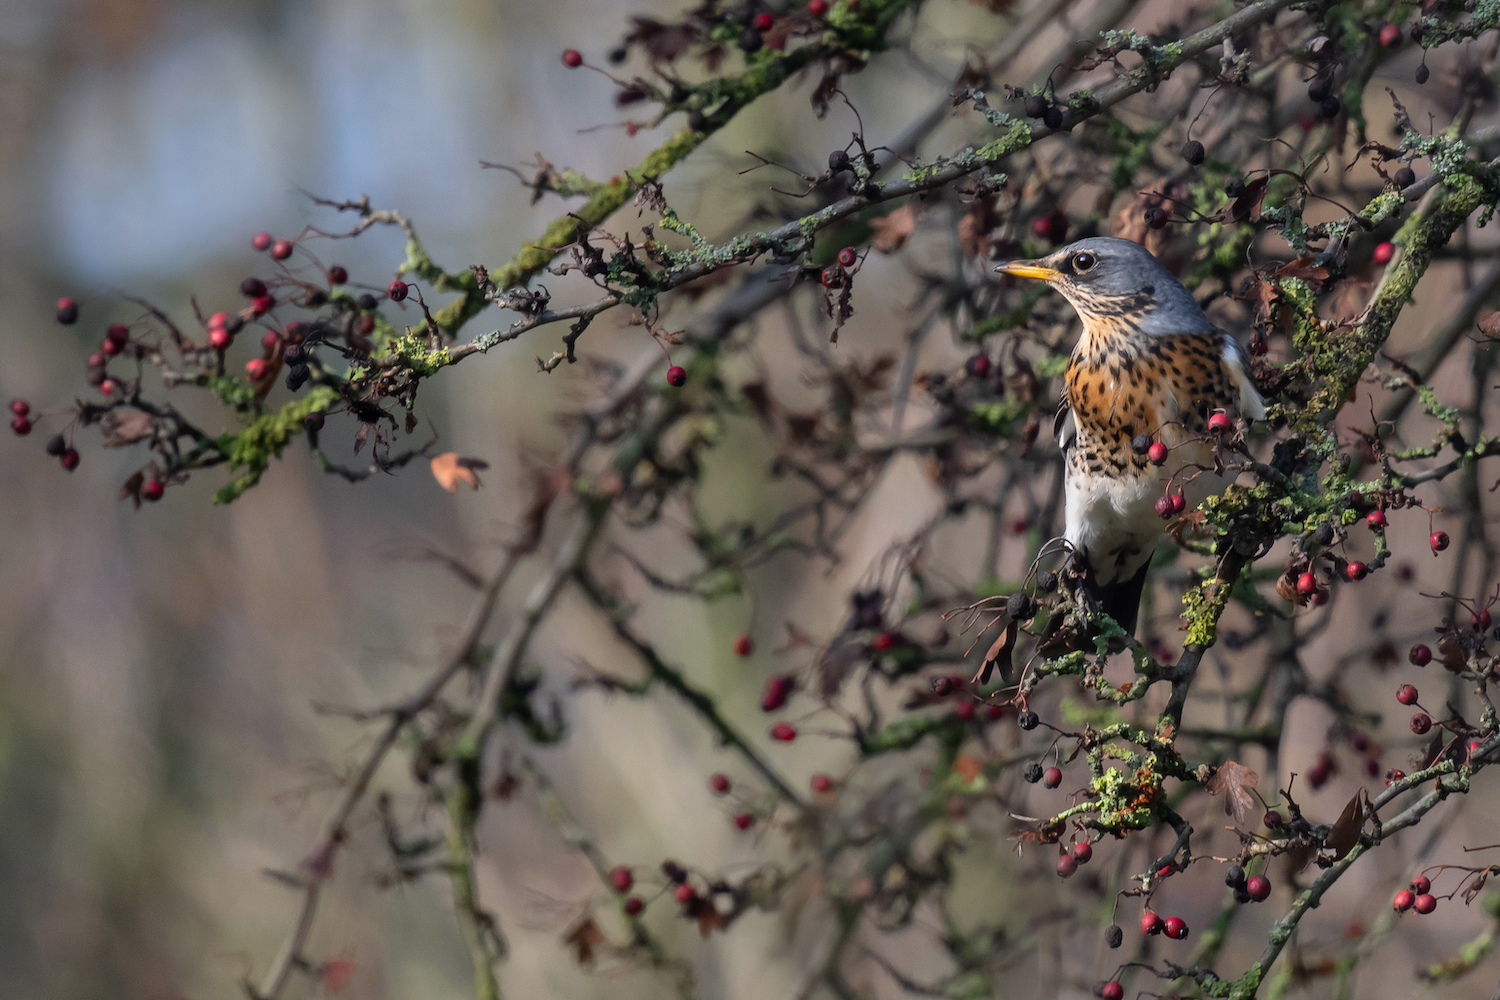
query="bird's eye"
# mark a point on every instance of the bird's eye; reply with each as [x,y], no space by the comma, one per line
[1084,261]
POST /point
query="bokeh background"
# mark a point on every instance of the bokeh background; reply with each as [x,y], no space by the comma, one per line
[159,747]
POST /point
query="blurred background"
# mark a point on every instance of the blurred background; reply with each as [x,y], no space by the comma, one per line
[159,747]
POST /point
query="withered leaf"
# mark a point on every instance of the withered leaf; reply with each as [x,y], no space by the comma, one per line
[1245,208]
[125,428]
[1302,268]
[583,937]
[1489,324]
[967,767]
[1235,780]
[450,470]
[835,664]
[662,42]
[1345,833]
[889,232]
[999,653]
[131,489]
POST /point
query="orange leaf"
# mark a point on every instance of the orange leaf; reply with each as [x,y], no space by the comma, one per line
[450,470]
[1235,780]
[967,767]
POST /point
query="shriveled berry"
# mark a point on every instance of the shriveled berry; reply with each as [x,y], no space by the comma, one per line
[1390,36]
[1406,694]
[719,783]
[1020,606]
[978,365]
[744,645]
[70,459]
[1259,888]
[1036,106]
[1234,185]
[1423,73]
[783,732]
[1047,582]
[1330,107]
[1384,253]
[822,783]
[1083,852]
[67,311]
[1421,723]
[1272,819]
[1376,520]
[1403,901]
[751,41]
[397,290]
[831,277]
[1420,655]
[1114,936]
[1176,928]
[338,274]
[1157,453]
[1052,116]
[1425,903]
[1027,720]
[255,369]
[1140,444]
[1033,773]
[1193,152]
[838,161]
[572,58]
[1438,540]
[942,685]
[1164,508]
[1052,777]
[56,445]
[621,879]
[847,257]
[1421,884]
[743,821]
[1112,990]
[1151,922]
[1066,866]
[1405,177]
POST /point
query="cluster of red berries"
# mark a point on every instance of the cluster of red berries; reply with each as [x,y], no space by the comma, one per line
[21,425]
[719,785]
[837,275]
[1173,927]
[20,417]
[1419,897]
[1169,505]
[1080,853]
[1255,889]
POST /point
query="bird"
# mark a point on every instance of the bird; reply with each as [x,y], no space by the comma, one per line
[1148,368]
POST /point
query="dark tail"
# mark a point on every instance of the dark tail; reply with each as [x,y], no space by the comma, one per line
[1121,600]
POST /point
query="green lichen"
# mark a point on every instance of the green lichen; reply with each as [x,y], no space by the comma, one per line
[253,448]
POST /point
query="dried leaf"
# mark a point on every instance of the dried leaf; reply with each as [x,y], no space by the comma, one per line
[1235,780]
[125,428]
[967,767]
[1245,208]
[131,489]
[999,653]
[1489,324]
[1345,833]
[662,42]
[583,937]
[836,663]
[450,470]
[889,232]
[1302,268]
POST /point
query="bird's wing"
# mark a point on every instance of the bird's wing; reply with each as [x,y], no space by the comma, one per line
[1237,360]
[1064,427]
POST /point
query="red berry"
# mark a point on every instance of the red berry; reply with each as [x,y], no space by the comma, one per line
[621,879]
[255,369]
[153,490]
[572,58]
[1384,252]
[1176,928]
[762,21]
[20,426]
[684,894]
[1480,620]
[994,712]
[365,323]
[778,689]
[634,905]
[744,821]
[783,732]
[261,241]
[1259,888]
[1151,922]
[271,340]
[337,274]
[1355,571]
[1157,453]
[281,249]
[219,338]
[1421,723]
[1425,903]
[1403,901]
[719,783]
[1219,422]
[1438,540]
[1112,990]
[397,290]
[1421,884]
[67,311]
[110,348]
[885,641]
[1394,775]
[847,257]
[252,288]
[1066,866]
[1272,819]
[1390,36]
[20,407]
[263,304]
[831,277]
[1320,598]
[1179,503]
[822,783]
[964,710]
[1307,584]
[1372,767]
[1052,777]
[1083,852]
[1375,520]
[978,365]
[70,459]
[1042,227]
[1164,507]
[744,645]
[817,8]
[677,376]
[1406,694]
[1420,655]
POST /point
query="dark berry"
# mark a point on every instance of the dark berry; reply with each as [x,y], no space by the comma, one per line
[1420,655]
[67,312]
[1423,73]
[1421,723]
[1234,876]
[367,302]
[1234,186]
[20,426]
[337,274]
[1036,106]
[751,41]
[1019,606]
[1066,866]
[1320,88]
[1113,936]
[942,685]
[313,421]
[1405,177]
[1157,217]
[70,459]
[1272,819]
[56,445]
[1193,152]
[847,257]
[153,490]
[1330,107]
[634,905]
[838,160]
[1140,444]
[1164,507]
[978,365]
[397,290]
[1047,582]
[1083,852]
[1033,773]
[1027,720]
[1052,117]
[252,288]
[674,871]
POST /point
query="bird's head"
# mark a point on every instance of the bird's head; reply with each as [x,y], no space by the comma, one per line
[1113,281]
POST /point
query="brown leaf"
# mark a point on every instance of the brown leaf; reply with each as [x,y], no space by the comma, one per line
[967,767]
[1345,833]
[889,232]
[450,470]
[999,653]
[836,663]
[131,489]
[1302,268]
[1245,208]
[1489,324]
[662,42]
[583,937]
[122,428]
[1235,780]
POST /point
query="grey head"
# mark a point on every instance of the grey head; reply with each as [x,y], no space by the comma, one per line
[1112,281]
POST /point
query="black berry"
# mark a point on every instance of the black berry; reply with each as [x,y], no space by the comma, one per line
[1033,773]
[1027,720]
[1053,116]
[1234,186]
[1330,107]
[1193,152]
[1036,106]
[750,40]
[1405,177]
[1423,73]
[1113,935]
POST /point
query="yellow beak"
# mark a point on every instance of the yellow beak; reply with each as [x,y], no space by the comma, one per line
[1029,269]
